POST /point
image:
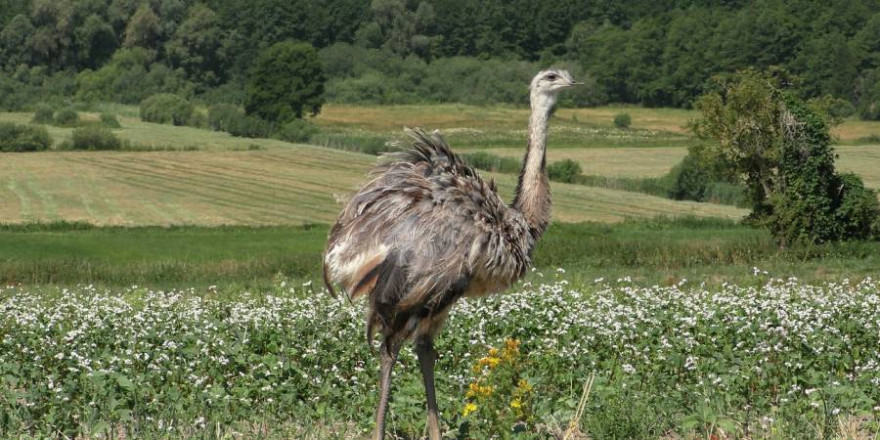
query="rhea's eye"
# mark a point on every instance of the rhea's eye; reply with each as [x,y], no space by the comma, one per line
[552,77]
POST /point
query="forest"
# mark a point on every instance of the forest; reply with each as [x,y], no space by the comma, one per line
[653,53]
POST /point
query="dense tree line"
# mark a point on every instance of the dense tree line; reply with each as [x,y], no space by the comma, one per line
[654,52]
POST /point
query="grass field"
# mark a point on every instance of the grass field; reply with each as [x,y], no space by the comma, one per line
[281,183]
[658,251]
[693,327]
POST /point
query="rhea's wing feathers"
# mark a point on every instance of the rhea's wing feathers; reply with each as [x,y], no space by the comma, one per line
[425,220]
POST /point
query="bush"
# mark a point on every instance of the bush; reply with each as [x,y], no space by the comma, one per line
[858,211]
[165,108]
[44,114]
[249,126]
[367,144]
[222,116]
[109,120]
[689,180]
[95,137]
[297,130]
[566,171]
[66,118]
[490,162]
[622,120]
[17,138]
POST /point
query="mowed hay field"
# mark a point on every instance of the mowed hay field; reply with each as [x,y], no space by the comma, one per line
[239,181]
[297,186]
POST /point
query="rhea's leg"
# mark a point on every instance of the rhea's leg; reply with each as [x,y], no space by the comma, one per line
[388,356]
[427,357]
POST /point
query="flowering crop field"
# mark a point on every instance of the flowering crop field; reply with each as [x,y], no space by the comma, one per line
[782,360]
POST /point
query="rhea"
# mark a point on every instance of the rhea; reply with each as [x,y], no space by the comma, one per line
[427,230]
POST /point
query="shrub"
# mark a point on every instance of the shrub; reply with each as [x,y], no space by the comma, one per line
[44,114]
[689,180]
[109,120]
[815,204]
[858,211]
[249,126]
[95,137]
[297,130]
[16,138]
[566,171]
[490,162]
[222,116]
[368,144]
[164,108]
[66,118]
[622,120]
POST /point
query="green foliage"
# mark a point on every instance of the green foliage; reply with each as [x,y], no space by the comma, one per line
[249,127]
[166,108]
[742,117]
[109,120]
[297,130]
[94,137]
[857,211]
[17,138]
[363,143]
[690,180]
[44,114]
[132,75]
[491,162]
[67,117]
[622,120]
[223,116]
[199,47]
[286,81]
[815,203]
[868,95]
[566,171]
[782,145]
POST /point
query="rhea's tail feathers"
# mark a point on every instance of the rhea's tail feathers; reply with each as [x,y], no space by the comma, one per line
[327,283]
[430,149]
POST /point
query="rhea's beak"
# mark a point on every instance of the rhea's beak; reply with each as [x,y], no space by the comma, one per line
[575,83]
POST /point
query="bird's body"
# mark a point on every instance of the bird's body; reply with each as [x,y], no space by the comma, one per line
[427,230]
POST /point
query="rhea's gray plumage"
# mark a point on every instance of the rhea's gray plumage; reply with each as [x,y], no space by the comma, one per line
[426,230]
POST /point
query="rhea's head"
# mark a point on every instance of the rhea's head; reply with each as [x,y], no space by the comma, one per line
[551,81]
[545,86]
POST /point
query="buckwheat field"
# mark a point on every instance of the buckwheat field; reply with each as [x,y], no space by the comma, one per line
[773,361]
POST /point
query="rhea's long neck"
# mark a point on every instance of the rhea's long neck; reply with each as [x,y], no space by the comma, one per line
[533,190]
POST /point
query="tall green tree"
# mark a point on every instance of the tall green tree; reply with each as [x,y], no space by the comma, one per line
[143,28]
[780,146]
[199,47]
[286,81]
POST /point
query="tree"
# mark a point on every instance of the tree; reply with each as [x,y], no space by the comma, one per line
[199,47]
[780,146]
[286,80]
[742,115]
[13,41]
[96,41]
[143,28]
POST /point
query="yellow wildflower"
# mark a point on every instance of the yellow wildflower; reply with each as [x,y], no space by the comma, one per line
[493,352]
[469,408]
[512,344]
[516,404]
[524,385]
[493,362]
[473,390]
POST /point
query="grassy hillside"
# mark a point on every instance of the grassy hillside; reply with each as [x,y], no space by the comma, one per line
[297,185]
[237,181]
